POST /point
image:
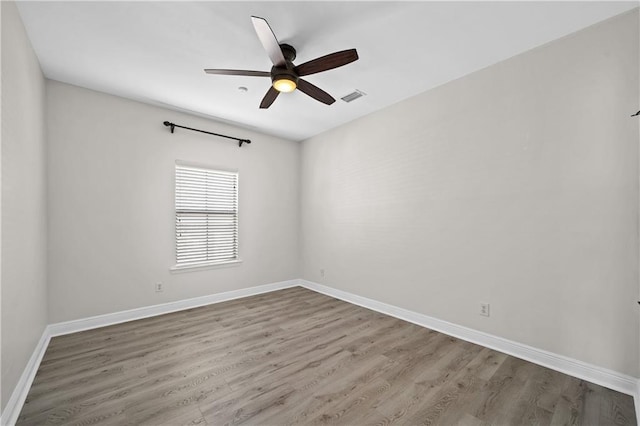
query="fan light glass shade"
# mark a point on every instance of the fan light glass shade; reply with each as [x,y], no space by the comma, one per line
[284,85]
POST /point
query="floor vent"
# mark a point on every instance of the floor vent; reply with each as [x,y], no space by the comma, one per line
[353,96]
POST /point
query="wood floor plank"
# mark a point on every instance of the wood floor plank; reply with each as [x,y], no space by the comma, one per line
[296,357]
[337,384]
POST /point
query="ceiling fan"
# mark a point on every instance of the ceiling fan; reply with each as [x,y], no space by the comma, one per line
[285,77]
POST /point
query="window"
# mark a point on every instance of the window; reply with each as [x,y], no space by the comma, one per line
[206,216]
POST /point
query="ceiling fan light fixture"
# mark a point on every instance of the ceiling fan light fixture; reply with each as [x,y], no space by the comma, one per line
[284,84]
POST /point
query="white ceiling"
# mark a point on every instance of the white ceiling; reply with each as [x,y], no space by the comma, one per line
[155,52]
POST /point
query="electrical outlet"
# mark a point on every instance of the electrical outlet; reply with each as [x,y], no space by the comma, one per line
[159,287]
[484,309]
[321,273]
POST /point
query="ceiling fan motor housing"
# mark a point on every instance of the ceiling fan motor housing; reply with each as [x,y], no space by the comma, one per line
[278,73]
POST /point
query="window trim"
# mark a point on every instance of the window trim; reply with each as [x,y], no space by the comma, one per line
[205,265]
[178,268]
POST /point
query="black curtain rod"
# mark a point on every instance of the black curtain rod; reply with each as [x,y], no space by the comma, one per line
[173,126]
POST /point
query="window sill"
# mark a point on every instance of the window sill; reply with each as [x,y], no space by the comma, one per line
[199,266]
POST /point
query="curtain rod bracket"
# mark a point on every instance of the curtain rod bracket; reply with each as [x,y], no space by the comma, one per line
[173,126]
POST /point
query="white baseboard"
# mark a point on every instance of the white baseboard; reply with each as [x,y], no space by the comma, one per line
[16,401]
[67,327]
[636,401]
[573,367]
[14,406]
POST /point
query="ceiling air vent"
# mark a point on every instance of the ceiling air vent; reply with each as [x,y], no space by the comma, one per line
[353,96]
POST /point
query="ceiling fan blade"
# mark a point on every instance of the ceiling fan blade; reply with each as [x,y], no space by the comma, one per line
[327,62]
[269,41]
[268,99]
[239,72]
[315,92]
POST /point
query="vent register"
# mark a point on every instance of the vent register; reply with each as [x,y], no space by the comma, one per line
[353,96]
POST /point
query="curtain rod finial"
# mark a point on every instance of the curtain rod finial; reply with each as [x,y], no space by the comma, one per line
[173,126]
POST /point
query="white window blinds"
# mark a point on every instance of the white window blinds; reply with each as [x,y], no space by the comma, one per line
[206,216]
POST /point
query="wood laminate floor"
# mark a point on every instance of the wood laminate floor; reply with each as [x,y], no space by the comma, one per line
[298,357]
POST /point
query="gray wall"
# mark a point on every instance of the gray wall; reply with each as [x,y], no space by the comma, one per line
[23,275]
[516,185]
[111,205]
